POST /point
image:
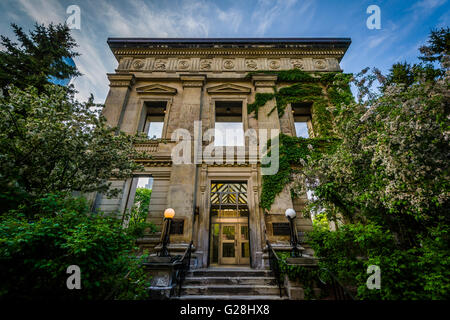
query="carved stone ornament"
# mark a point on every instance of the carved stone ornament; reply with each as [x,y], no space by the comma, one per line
[251,64]
[320,64]
[229,88]
[156,89]
[297,64]
[205,64]
[228,64]
[138,64]
[183,64]
[160,64]
[162,281]
[274,64]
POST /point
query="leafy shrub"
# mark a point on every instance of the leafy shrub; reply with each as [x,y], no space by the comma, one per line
[411,274]
[34,254]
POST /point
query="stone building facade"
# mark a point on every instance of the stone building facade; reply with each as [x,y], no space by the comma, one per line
[167,84]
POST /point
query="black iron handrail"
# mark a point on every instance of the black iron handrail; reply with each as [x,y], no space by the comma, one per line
[339,291]
[274,263]
[183,266]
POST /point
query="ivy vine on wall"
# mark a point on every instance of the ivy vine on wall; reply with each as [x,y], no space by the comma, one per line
[294,152]
[326,92]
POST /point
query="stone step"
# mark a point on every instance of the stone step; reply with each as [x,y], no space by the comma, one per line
[231,290]
[229,272]
[230,281]
[228,297]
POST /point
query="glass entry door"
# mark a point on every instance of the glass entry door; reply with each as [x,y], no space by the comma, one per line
[229,235]
[233,244]
[228,246]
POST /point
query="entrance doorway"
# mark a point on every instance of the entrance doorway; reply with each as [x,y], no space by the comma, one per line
[229,232]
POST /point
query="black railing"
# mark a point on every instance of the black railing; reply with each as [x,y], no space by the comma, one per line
[338,290]
[183,267]
[274,263]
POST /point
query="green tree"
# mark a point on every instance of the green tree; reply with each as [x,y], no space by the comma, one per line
[438,46]
[142,199]
[49,142]
[388,182]
[50,147]
[36,57]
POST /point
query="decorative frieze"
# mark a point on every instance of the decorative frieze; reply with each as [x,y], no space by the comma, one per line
[205,64]
[225,64]
[160,65]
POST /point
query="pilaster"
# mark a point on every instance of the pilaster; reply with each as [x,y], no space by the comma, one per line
[120,85]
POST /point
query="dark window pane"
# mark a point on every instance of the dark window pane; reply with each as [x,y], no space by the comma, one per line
[176,227]
[245,250]
[215,243]
[228,232]
[281,229]
[244,232]
[228,250]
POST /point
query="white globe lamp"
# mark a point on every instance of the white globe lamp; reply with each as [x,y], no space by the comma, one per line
[290,213]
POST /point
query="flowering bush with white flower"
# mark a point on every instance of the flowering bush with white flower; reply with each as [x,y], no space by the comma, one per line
[391,171]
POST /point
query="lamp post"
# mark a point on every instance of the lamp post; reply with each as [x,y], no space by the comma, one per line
[168,216]
[290,214]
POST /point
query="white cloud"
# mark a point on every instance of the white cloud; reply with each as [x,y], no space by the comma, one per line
[374,41]
[231,17]
[429,4]
[270,10]
[43,11]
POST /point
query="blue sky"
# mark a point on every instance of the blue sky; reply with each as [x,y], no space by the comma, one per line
[405,25]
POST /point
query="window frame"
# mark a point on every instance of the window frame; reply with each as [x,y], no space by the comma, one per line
[144,114]
[308,121]
[229,98]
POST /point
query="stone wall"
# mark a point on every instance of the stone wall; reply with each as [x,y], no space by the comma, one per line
[190,80]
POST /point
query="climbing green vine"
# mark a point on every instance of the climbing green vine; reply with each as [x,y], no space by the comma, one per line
[320,89]
[323,90]
[307,276]
[294,152]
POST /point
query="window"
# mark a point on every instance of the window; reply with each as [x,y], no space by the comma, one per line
[138,200]
[154,121]
[302,118]
[177,226]
[143,195]
[229,129]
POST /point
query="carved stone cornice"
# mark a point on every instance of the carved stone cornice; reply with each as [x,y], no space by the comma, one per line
[229,52]
[192,81]
[121,79]
[263,80]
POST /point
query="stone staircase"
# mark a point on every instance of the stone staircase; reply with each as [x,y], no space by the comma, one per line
[231,283]
[149,242]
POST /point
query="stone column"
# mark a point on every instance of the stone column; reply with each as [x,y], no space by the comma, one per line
[182,187]
[265,84]
[117,99]
[202,231]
